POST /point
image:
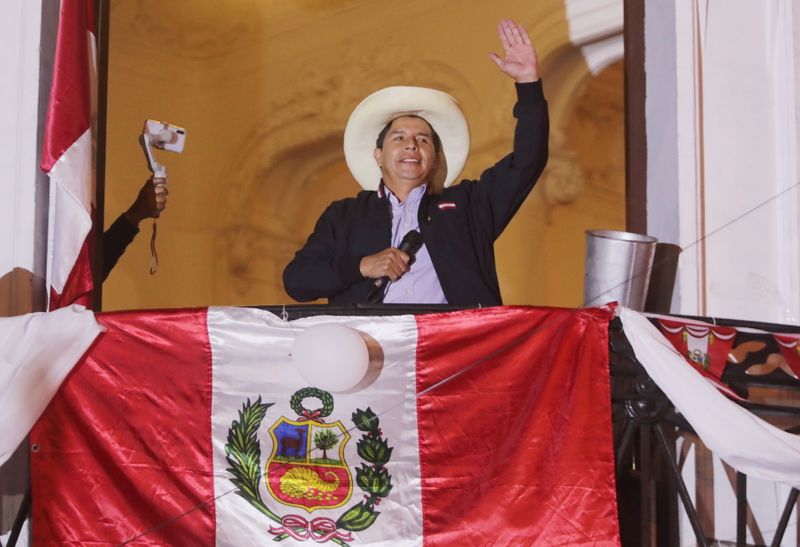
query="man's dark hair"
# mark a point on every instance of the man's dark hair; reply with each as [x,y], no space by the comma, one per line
[437,142]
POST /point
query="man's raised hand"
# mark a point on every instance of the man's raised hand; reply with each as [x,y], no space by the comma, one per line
[521,62]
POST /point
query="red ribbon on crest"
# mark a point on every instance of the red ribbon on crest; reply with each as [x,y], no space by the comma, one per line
[319,530]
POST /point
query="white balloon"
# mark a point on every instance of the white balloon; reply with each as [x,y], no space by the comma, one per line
[330,356]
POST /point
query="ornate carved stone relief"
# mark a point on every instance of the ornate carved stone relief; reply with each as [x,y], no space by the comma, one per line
[563,182]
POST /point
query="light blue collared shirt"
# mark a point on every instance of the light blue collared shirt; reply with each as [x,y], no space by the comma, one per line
[420,284]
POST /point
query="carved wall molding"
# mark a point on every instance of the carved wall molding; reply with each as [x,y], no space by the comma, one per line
[604,52]
[564,181]
[593,20]
[595,32]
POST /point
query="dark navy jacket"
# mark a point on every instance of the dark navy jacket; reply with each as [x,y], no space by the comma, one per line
[459,226]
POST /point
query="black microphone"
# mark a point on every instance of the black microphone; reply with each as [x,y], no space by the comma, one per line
[410,244]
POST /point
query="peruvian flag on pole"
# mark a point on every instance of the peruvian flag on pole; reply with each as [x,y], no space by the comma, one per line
[199,427]
[68,156]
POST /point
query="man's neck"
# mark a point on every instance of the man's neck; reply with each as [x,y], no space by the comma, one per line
[402,191]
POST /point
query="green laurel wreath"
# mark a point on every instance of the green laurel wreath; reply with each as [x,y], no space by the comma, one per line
[374,479]
[296,402]
[243,454]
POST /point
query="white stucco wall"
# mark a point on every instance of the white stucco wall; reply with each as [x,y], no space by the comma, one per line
[661,110]
[723,157]
[21,183]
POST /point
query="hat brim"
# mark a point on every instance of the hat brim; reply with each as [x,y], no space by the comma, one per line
[439,109]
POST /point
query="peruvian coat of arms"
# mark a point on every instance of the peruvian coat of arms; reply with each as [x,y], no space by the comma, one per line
[306,468]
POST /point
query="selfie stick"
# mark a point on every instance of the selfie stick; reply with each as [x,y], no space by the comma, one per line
[163,136]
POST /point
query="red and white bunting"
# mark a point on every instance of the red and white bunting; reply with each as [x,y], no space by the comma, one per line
[704,346]
[790,349]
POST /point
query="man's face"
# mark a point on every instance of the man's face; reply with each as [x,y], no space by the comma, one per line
[408,158]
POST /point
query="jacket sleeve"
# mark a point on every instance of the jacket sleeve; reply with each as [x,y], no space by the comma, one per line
[115,240]
[321,269]
[501,189]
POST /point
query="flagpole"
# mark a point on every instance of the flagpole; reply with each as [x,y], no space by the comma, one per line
[102,16]
[51,213]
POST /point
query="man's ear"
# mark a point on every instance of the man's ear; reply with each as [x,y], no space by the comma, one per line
[439,172]
[436,163]
[377,155]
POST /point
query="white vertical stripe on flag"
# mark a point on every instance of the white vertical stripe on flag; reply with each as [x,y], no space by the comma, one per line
[251,358]
[70,209]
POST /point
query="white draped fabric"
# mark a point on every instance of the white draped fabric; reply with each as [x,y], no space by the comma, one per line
[37,351]
[735,435]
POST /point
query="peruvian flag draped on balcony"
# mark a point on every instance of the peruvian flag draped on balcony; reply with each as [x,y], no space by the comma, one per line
[198,427]
[68,157]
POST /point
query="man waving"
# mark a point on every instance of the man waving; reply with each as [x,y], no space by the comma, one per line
[406,146]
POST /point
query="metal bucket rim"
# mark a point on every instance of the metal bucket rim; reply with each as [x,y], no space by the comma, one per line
[618,235]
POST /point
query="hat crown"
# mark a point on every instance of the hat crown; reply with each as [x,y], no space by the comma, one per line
[439,109]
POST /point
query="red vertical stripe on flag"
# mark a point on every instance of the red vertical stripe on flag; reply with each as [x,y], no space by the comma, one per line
[69,110]
[78,288]
[516,447]
[120,470]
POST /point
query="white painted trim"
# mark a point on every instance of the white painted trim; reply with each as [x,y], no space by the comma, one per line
[593,20]
[600,54]
[785,119]
[20,21]
[686,48]
[661,120]
[595,26]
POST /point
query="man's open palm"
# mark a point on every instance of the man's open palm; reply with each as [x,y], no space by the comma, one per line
[521,62]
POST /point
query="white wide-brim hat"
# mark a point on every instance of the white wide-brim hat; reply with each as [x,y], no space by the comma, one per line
[439,109]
